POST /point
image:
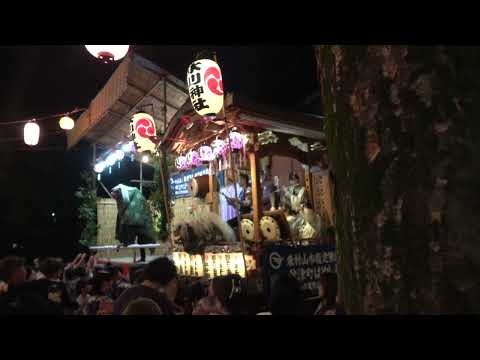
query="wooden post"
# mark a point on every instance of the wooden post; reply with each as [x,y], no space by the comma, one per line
[308,186]
[256,191]
[212,188]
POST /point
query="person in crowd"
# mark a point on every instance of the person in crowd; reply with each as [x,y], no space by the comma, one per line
[224,297]
[13,271]
[328,296]
[51,287]
[159,284]
[119,282]
[142,306]
[84,298]
[286,298]
[100,301]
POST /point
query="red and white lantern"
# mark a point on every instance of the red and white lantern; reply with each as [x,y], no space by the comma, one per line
[142,126]
[108,53]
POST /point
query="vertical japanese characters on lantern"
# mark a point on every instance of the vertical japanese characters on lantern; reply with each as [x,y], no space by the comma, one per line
[205,87]
[143,132]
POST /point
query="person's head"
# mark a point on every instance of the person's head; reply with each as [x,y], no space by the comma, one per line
[328,288]
[227,289]
[52,268]
[12,270]
[286,297]
[83,287]
[102,283]
[294,179]
[243,180]
[162,273]
[116,272]
[142,306]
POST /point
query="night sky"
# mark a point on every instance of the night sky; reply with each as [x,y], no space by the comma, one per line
[43,80]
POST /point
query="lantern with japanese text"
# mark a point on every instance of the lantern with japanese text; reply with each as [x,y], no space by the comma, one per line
[193,159]
[205,86]
[108,53]
[142,126]
[206,153]
[31,133]
[181,163]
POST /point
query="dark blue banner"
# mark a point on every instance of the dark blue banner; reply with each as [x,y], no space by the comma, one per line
[179,182]
[305,263]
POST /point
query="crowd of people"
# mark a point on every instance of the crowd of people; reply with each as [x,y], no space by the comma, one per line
[84,287]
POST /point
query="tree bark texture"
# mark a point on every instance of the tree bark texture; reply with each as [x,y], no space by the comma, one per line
[402,126]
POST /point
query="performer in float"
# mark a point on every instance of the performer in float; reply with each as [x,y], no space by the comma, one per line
[134,219]
[243,203]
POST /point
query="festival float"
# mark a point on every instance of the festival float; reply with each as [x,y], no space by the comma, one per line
[215,139]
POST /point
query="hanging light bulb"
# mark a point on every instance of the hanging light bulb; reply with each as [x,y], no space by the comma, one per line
[145,158]
[99,167]
[111,159]
[108,53]
[31,133]
[99,177]
[110,170]
[66,123]
[119,154]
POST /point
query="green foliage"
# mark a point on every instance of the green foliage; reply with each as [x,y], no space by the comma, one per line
[157,201]
[87,210]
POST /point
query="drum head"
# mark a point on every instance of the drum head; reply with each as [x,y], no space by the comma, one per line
[193,187]
[247,230]
[270,229]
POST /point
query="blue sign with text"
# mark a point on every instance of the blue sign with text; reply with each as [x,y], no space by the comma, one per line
[179,182]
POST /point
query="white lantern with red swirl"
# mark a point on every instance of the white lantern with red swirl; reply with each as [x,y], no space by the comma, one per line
[142,126]
[181,163]
[193,158]
[205,86]
[237,140]
[206,153]
[108,53]
[219,148]
[31,133]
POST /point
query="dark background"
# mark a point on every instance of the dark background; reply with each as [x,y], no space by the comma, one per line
[41,80]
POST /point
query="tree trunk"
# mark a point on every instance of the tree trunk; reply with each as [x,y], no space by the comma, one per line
[402,124]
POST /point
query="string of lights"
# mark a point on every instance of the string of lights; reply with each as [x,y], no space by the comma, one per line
[43,117]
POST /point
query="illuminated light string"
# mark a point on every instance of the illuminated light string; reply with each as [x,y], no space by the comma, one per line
[42,117]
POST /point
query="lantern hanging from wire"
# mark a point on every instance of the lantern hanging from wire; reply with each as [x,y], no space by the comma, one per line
[108,53]
[206,153]
[205,86]
[237,140]
[219,148]
[31,133]
[193,158]
[181,163]
[66,123]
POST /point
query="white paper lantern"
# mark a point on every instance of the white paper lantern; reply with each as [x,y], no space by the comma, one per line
[206,153]
[205,86]
[108,52]
[31,133]
[66,123]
